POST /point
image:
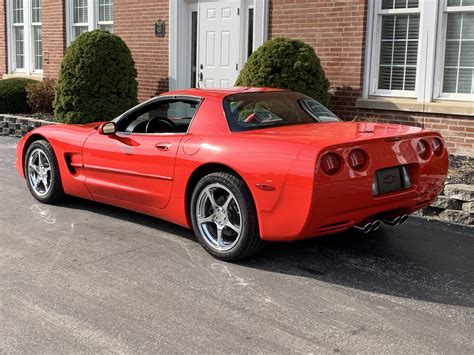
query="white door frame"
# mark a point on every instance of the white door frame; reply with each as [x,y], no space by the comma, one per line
[179,37]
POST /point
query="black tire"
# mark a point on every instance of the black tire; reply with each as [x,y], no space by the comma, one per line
[56,192]
[249,243]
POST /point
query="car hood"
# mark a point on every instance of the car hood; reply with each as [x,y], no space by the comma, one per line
[333,133]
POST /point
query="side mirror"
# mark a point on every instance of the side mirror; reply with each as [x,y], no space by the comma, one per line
[107,128]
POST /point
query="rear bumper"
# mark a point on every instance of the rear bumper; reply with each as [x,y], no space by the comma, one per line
[350,212]
[336,204]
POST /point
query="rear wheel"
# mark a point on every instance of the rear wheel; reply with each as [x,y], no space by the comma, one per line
[224,218]
[42,173]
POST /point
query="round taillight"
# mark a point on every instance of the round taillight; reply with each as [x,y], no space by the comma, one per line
[330,163]
[357,159]
[437,146]
[423,149]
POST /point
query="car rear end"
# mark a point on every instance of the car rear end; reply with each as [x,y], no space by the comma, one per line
[379,178]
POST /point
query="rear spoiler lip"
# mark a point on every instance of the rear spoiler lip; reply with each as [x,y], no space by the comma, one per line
[359,142]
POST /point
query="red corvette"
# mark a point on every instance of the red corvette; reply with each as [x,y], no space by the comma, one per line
[240,167]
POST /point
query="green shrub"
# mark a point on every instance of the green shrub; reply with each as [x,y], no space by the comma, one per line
[40,95]
[288,64]
[97,80]
[13,95]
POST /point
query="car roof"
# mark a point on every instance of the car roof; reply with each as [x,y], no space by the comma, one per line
[218,92]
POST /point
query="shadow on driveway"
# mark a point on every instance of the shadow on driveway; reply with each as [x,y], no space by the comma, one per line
[422,260]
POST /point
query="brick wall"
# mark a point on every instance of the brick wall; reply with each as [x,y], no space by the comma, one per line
[335,29]
[54,36]
[134,22]
[3,39]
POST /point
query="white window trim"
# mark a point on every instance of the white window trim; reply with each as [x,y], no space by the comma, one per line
[28,41]
[92,18]
[430,66]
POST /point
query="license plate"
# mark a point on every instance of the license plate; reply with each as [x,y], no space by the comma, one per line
[392,179]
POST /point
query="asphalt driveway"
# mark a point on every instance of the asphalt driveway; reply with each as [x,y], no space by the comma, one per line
[85,277]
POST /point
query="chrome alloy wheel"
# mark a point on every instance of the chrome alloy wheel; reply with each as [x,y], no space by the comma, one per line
[39,172]
[218,217]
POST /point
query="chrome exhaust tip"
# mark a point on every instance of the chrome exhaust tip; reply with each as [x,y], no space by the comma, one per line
[392,222]
[376,225]
[403,219]
[364,228]
[396,221]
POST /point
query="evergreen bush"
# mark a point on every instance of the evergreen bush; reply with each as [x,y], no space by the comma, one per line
[97,81]
[13,95]
[288,64]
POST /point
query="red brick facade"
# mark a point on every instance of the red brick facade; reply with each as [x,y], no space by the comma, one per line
[134,22]
[336,30]
[54,36]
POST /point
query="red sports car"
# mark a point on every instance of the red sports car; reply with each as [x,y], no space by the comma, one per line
[240,166]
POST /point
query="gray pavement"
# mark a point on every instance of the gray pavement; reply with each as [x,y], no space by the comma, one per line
[85,277]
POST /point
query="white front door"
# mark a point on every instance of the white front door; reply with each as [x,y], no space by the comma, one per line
[219,43]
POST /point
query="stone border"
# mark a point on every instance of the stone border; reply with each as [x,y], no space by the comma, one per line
[18,126]
[455,205]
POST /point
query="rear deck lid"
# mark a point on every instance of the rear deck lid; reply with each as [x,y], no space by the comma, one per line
[334,133]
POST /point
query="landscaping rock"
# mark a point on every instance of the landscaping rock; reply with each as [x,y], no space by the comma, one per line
[445,202]
[11,119]
[468,207]
[461,217]
[461,170]
[460,192]
[430,211]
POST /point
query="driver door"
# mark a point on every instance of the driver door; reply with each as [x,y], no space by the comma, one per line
[134,168]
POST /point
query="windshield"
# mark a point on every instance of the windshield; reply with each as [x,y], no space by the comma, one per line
[250,111]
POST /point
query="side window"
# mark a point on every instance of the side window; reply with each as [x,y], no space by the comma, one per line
[163,116]
[319,111]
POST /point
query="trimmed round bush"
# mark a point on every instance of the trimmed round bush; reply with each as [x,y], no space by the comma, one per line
[287,64]
[97,81]
[13,95]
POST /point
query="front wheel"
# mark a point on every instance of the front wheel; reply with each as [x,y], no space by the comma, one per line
[224,218]
[42,173]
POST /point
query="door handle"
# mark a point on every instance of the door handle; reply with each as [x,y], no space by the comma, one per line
[163,146]
[200,76]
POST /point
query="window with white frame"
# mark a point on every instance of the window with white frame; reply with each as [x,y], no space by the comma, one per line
[422,49]
[458,40]
[88,15]
[25,41]
[396,46]
[106,20]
